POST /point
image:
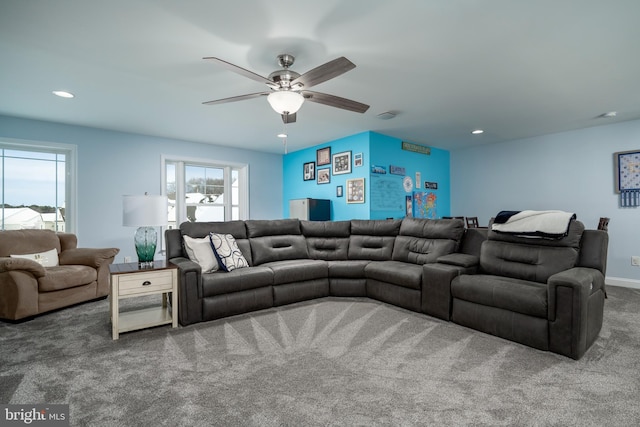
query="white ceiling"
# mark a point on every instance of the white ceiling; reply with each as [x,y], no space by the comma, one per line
[515,68]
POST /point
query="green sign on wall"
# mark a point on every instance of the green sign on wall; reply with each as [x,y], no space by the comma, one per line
[409,146]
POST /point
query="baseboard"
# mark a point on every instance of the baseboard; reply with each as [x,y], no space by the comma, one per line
[621,281]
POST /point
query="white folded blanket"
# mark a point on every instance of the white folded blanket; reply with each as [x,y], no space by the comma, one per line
[537,223]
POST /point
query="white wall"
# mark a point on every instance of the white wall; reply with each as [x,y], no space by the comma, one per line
[571,171]
[112,164]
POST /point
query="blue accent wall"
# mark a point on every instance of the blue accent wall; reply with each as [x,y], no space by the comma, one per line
[384,193]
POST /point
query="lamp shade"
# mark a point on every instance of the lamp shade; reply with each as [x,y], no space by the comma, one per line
[285,101]
[144,211]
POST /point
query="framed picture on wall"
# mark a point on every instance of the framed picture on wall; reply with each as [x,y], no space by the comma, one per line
[355,190]
[357,160]
[341,163]
[339,191]
[323,156]
[309,171]
[324,176]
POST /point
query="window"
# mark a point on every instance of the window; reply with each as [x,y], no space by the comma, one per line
[37,183]
[205,191]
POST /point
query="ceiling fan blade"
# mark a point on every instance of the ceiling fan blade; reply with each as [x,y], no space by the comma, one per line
[334,101]
[236,98]
[324,72]
[240,70]
[288,118]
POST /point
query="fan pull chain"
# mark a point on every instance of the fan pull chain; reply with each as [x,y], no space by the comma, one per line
[286,135]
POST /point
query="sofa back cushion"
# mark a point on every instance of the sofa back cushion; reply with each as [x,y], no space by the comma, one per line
[276,240]
[527,258]
[422,241]
[373,239]
[202,229]
[328,240]
[18,242]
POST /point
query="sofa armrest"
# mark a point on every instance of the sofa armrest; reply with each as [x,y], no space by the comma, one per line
[92,257]
[460,260]
[576,302]
[28,265]
[436,287]
[190,300]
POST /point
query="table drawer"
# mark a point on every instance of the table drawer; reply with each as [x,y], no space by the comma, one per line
[139,283]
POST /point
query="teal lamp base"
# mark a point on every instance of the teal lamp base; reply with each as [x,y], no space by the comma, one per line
[145,241]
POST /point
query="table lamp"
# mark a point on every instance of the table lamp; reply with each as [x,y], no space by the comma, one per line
[145,212]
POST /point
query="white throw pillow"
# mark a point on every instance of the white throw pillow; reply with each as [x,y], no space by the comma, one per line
[45,259]
[200,251]
[226,248]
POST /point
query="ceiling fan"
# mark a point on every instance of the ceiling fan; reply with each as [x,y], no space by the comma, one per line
[290,89]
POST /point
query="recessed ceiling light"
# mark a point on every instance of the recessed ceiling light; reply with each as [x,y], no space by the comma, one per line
[282,135]
[477,131]
[63,94]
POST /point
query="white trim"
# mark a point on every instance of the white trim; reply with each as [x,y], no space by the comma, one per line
[71,182]
[621,281]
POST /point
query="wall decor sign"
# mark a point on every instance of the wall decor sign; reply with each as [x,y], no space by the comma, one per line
[309,171]
[357,160]
[397,170]
[324,176]
[418,179]
[339,191]
[416,148]
[323,156]
[342,163]
[378,169]
[409,209]
[407,184]
[430,185]
[627,176]
[355,190]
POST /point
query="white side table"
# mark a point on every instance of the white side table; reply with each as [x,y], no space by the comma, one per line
[130,280]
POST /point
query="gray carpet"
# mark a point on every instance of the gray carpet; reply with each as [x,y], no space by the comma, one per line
[325,362]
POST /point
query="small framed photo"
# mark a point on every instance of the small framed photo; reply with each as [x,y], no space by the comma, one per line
[324,176]
[357,160]
[342,163]
[309,171]
[323,156]
[339,191]
[355,190]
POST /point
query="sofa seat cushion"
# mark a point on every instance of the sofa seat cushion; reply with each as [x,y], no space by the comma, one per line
[241,279]
[398,273]
[520,296]
[66,276]
[353,269]
[297,270]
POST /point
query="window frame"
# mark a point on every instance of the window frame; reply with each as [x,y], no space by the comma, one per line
[71,173]
[180,162]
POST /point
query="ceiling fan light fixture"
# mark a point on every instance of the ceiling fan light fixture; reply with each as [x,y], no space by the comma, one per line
[285,101]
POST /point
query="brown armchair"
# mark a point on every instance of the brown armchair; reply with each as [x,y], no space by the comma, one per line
[28,289]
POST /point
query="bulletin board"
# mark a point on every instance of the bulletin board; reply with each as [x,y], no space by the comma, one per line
[387,193]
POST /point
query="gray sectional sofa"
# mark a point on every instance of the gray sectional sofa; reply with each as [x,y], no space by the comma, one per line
[548,294]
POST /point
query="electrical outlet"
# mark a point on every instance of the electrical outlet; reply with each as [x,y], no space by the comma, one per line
[635,260]
[128,259]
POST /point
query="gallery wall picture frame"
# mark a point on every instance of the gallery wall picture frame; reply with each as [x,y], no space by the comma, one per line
[341,163]
[627,170]
[339,191]
[323,156]
[357,160]
[309,171]
[323,176]
[355,190]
